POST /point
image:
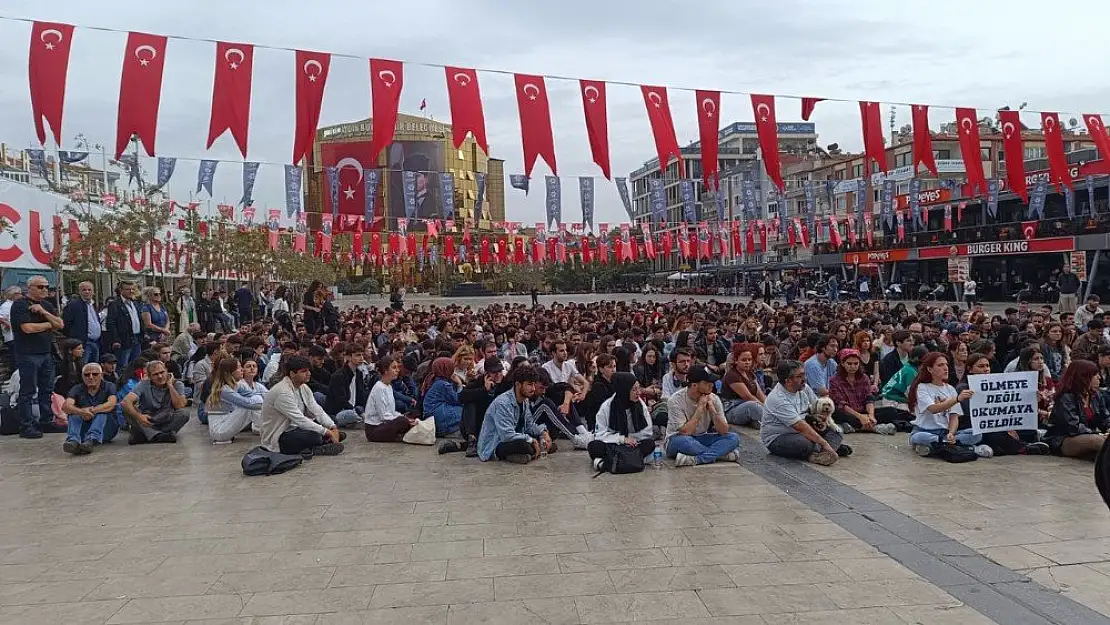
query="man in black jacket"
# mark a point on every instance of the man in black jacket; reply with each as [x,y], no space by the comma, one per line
[82,322]
[476,398]
[122,328]
[892,362]
[349,389]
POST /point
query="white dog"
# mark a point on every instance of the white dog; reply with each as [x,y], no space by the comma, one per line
[820,415]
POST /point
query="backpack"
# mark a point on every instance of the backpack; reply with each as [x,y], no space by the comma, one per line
[9,416]
[955,453]
[261,461]
[622,459]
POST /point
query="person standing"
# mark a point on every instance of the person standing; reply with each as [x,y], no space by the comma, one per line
[11,294]
[864,289]
[186,310]
[970,292]
[34,320]
[1069,289]
[122,326]
[535,297]
[244,302]
[834,289]
[155,317]
[82,321]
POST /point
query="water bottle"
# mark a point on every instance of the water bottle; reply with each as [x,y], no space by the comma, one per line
[657,457]
[543,449]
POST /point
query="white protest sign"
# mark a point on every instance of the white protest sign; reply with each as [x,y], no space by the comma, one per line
[1003,402]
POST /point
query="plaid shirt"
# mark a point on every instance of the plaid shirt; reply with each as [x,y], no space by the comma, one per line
[845,393]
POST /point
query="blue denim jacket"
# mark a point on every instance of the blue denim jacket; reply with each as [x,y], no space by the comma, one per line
[501,424]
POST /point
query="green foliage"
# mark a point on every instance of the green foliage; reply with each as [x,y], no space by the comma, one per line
[578,277]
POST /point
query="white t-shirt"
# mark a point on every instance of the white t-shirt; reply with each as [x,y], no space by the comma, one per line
[864,286]
[6,314]
[969,287]
[927,395]
[560,375]
[380,408]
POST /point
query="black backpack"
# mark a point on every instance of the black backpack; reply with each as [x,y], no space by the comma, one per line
[261,461]
[955,453]
[622,459]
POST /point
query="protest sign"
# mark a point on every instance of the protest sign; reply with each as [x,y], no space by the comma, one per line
[1003,402]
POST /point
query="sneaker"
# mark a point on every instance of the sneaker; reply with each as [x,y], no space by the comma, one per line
[136,437]
[85,448]
[923,450]
[847,428]
[598,463]
[984,451]
[164,437]
[824,458]
[70,447]
[449,447]
[886,429]
[732,456]
[50,427]
[30,433]
[227,442]
[518,458]
[683,460]
[342,436]
[328,449]
[581,441]
[844,451]
[1036,449]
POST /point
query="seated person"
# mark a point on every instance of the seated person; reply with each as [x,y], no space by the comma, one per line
[936,408]
[600,390]
[349,389]
[155,408]
[272,374]
[850,390]
[91,407]
[510,431]
[785,431]
[553,405]
[1080,419]
[894,406]
[441,400]
[476,397]
[381,420]
[741,394]
[622,419]
[292,422]
[229,411]
[1002,443]
[108,366]
[692,411]
[405,390]
[320,381]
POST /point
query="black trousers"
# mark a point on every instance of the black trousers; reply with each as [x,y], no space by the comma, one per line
[504,450]
[598,449]
[840,416]
[472,418]
[295,441]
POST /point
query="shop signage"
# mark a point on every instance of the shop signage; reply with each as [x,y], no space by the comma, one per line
[927,197]
[884,256]
[997,248]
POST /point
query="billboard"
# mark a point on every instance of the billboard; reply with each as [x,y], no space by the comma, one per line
[424,159]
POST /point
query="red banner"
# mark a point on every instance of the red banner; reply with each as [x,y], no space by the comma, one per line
[312,73]
[387,78]
[662,126]
[763,106]
[1054,148]
[48,65]
[968,125]
[140,91]
[873,146]
[1015,153]
[597,121]
[535,122]
[922,140]
[709,107]
[466,106]
[231,93]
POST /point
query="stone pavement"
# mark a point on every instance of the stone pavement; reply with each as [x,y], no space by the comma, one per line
[398,534]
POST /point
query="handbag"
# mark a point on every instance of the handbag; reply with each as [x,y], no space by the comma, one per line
[423,433]
[261,461]
[955,453]
[622,459]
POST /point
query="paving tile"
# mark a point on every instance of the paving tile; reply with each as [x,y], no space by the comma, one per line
[862,616]
[433,593]
[535,545]
[671,578]
[885,593]
[319,601]
[424,615]
[554,585]
[640,607]
[939,615]
[1073,551]
[783,573]
[156,609]
[611,560]
[54,613]
[502,566]
[1016,558]
[401,572]
[249,582]
[550,611]
[766,600]
[749,553]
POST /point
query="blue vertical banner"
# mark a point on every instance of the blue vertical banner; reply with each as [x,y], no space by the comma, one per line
[130,161]
[626,200]
[331,174]
[861,198]
[371,178]
[250,174]
[38,161]
[554,200]
[658,200]
[993,188]
[887,199]
[1090,180]
[689,211]
[747,190]
[519,181]
[205,175]
[915,204]
[811,202]
[1069,201]
[480,178]
[292,190]
[166,165]
[408,188]
[586,195]
[1036,199]
[447,192]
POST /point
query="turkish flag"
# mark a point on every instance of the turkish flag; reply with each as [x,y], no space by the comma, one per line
[948,218]
[351,159]
[768,130]
[762,227]
[1054,147]
[873,147]
[312,73]
[410,245]
[1029,230]
[633,249]
[803,233]
[749,239]
[356,245]
[968,125]
[503,251]
[394,244]
[602,252]
[1097,130]
[231,93]
[851,231]
[834,231]
[449,247]
[1015,153]
[922,140]
[709,107]
[518,250]
[808,104]
[485,256]
[692,244]
[791,232]
[375,247]
[737,249]
[584,246]
[140,90]
[386,80]
[466,106]
[662,126]
[597,121]
[48,64]
[667,244]
[535,121]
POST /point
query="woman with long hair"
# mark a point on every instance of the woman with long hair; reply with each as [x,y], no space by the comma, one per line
[1080,419]
[622,419]
[741,393]
[1031,359]
[312,304]
[583,357]
[935,405]
[229,412]
[651,368]
[441,399]
[868,357]
[957,355]
[381,420]
[155,319]
[850,390]
[1002,443]
[465,366]
[1056,352]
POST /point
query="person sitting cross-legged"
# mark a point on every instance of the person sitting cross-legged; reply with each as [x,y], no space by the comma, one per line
[510,431]
[349,388]
[691,412]
[381,420]
[90,406]
[784,430]
[936,408]
[292,421]
[623,419]
[155,408]
[229,410]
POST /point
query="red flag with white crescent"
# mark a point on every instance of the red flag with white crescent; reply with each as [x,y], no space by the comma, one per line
[873,146]
[1029,230]
[762,226]
[922,140]
[387,78]
[662,125]
[1054,149]
[357,245]
[667,243]
[584,248]
[375,252]
[1097,130]
[1014,150]
[231,93]
[448,247]
[48,65]
[485,255]
[768,130]
[734,229]
[709,107]
[749,238]
[140,91]
[803,233]
[597,121]
[948,218]
[503,251]
[466,106]
[808,104]
[633,248]
[312,73]
[967,124]
[394,244]
[410,245]
[791,233]
[834,231]
[535,121]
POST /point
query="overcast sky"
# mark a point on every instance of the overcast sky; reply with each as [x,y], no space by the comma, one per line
[940,52]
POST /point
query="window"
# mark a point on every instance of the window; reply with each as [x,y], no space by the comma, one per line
[1035,153]
[857,170]
[985,154]
[942,154]
[903,160]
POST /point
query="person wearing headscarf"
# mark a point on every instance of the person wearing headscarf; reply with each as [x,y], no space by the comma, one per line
[441,400]
[623,419]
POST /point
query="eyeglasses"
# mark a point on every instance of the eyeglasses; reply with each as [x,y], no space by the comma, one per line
[38,286]
[91,375]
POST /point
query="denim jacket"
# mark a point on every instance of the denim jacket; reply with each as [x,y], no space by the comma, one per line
[505,421]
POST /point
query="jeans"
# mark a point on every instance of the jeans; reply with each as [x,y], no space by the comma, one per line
[708,447]
[92,351]
[794,445]
[347,418]
[124,355]
[740,412]
[223,426]
[102,428]
[36,375]
[928,437]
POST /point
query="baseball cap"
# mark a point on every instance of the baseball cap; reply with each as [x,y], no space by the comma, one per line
[700,373]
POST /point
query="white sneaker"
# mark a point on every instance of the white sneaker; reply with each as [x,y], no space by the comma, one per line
[984,451]
[598,463]
[581,441]
[732,456]
[923,450]
[887,429]
[682,460]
